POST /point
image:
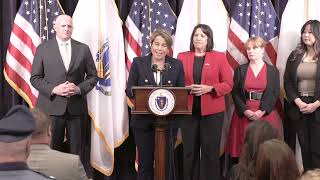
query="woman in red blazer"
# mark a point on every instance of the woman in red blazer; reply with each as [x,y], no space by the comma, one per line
[209,75]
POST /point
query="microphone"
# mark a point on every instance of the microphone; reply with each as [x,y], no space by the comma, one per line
[166,67]
[154,67]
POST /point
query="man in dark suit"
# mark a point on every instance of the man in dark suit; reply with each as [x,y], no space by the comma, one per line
[63,71]
[15,137]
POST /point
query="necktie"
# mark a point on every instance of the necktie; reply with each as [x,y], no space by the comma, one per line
[65,55]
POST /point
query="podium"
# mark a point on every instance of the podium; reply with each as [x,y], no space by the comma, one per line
[161,102]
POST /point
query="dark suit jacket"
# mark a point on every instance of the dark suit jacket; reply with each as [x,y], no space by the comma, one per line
[291,85]
[216,72]
[270,94]
[142,75]
[48,71]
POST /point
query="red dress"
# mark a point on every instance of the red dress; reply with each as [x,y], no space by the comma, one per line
[239,124]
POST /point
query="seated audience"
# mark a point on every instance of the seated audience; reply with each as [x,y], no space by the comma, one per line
[256,133]
[276,161]
[62,166]
[15,139]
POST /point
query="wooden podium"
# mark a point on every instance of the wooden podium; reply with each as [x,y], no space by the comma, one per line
[142,97]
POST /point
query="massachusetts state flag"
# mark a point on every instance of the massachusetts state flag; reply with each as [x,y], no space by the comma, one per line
[97,23]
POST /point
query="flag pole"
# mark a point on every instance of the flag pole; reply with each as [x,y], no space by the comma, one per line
[306,10]
[198,11]
[259,18]
[100,73]
[149,20]
[40,20]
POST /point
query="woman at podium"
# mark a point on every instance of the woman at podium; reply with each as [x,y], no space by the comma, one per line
[155,69]
[209,75]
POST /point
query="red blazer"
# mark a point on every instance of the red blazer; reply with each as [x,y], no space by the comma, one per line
[216,72]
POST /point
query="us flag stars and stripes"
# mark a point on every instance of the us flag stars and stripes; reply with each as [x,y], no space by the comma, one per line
[144,17]
[252,18]
[33,24]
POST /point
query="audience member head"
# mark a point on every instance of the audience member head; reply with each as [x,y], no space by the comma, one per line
[255,48]
[161,42]
[257,132]
[311,175]
[309,38]
[201,38]
[42,134]
[63,26]
[16,128]
[276,161]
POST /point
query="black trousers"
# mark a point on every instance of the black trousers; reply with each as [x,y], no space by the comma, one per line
[70,124]
[308,131]
[201,137]
[144,139]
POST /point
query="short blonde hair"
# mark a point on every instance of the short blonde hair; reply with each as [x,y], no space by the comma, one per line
[256,42]
[164,34]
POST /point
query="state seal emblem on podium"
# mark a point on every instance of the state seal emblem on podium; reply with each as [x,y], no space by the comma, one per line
[161,102]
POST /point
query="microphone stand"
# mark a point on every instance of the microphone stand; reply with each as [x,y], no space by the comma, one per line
[161,127]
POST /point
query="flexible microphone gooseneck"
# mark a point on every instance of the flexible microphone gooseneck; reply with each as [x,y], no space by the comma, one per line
[166,68]
[154,68]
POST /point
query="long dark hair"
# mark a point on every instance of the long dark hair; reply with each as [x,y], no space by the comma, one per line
[315,29]
[256,133]
[207,31]
[276,161]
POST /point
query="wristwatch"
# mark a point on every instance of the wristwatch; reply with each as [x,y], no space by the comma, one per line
[213,91]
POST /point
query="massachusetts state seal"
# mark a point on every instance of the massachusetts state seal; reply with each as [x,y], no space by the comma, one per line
[161,102]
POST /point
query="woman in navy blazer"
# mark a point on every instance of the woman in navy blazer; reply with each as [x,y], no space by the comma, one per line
[209,75]
[141,74]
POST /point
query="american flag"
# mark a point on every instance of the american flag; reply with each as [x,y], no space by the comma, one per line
[33,24]
[145,16]
[252,18]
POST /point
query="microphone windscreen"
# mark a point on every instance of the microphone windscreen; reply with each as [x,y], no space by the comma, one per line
[154,67]
[167,66]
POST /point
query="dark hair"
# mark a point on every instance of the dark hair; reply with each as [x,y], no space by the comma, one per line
[207,31]
[257,132]
[164,34]
[276,161]
[315,29]
[42,120]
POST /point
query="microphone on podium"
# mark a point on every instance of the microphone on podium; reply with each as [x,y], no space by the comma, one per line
[154,67]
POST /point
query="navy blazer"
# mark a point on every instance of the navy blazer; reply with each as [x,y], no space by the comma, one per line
[270,94]
[141,75]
